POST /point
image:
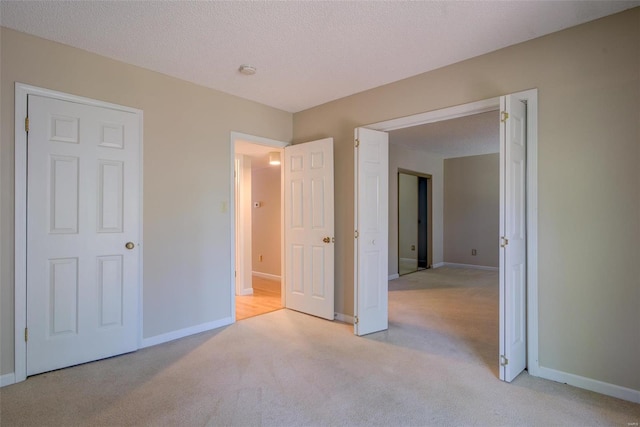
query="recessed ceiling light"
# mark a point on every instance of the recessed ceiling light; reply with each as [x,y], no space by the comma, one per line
[247,70]
[274,158]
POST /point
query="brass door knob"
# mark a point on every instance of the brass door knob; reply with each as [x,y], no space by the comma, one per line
[327,240]
[129,245]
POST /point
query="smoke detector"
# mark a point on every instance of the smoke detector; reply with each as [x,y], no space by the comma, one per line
[247,70]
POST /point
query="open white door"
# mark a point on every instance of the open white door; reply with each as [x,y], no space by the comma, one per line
[83,233]
[513,240]
[371,231]
[309,227]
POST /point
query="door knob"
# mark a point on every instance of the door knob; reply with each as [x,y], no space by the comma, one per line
[129,245]
[327,240]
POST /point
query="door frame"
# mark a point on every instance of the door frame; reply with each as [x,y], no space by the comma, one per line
[530,97]
[258,140]
[22,91]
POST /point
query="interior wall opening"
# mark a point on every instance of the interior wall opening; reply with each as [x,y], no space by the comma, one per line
[258,228]
[415,244]
[459,159]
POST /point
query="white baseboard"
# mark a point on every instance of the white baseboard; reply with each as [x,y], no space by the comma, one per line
[245,292]
[170,336]
[476,267]
[7,379]
[343,318]
[266,275]
[438,265]
[393,276]
[590,384]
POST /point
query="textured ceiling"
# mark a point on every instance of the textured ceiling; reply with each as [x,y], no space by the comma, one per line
[306,52]
[465,136]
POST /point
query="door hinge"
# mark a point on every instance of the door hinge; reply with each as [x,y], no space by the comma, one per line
[355,320]
[26,124]
[503,116]
[503,360]
[504,242]
[26,334]
[357,234]
[357,143]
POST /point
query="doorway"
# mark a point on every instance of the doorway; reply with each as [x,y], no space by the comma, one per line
[414,222]
[306,223]
[257,211]
[518,325]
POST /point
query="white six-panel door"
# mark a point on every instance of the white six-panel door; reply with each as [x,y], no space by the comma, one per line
[309,228]
[372,231]
[513,241]
[83,208]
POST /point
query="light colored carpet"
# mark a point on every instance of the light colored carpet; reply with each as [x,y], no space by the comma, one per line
[434,366]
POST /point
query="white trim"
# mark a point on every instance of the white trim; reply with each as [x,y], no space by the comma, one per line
[232,209]
[531,97]
[181,333]
[259,140]
[438,115]
[241,205]
[7,379]
[438,265]
[393,276]
[20,233]
[20,219]
[267,276]
[140,228]
[341,317]
[244,292]
[590,384]
[469,266]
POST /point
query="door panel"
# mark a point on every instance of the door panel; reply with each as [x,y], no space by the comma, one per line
[371,223]
[513,339]
[309,228]
[83,206]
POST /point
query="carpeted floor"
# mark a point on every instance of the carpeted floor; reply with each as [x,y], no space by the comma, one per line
[434,366]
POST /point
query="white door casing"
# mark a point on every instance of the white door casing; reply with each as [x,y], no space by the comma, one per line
[244,269]
[372,224]
[83,198]
[309,227]
[513,237]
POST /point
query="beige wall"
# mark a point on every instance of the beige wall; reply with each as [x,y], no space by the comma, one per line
[471,209]
[416,161]
[186,176]
[588,84]
[266,219]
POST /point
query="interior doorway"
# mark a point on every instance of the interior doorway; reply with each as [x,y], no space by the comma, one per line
[257,213]
[414,222]
[518,324]
[305,239]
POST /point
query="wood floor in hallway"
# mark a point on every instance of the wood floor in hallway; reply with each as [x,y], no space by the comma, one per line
[266,298]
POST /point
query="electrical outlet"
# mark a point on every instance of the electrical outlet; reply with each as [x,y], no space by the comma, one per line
[474,252]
